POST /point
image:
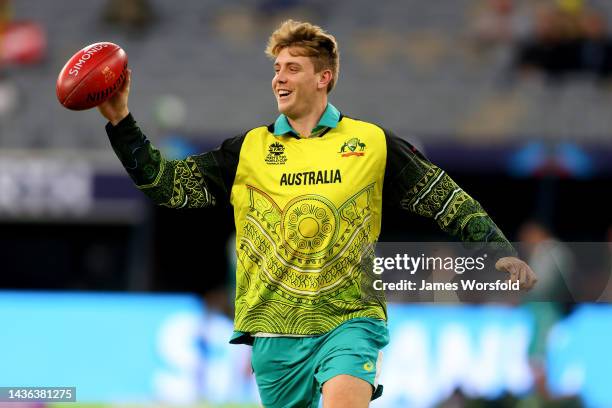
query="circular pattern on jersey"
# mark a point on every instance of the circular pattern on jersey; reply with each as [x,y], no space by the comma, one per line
[310,224]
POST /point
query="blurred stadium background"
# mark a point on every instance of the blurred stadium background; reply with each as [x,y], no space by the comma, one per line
[132,304]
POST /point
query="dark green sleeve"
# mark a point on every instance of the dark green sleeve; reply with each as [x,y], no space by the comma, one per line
[415,184]
[198,181]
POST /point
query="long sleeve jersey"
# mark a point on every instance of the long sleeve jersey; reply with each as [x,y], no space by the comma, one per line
[307,212]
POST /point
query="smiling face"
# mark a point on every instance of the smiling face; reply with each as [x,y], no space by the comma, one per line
[297,87]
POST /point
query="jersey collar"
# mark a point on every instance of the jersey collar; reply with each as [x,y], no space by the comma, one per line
[329,119]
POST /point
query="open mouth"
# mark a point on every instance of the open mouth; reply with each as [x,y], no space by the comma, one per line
[284,93]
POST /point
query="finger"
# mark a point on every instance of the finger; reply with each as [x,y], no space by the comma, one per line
[126,83]
[511,278]
[501,264]
[530,277]
[523,279]
[506,265]
[514,273]
[533,279]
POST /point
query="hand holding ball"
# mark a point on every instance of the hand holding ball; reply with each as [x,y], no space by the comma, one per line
[92,76]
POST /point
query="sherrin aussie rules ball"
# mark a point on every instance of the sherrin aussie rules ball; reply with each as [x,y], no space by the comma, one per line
[91,76]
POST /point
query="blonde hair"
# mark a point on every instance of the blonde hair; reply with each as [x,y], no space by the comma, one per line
[307,40]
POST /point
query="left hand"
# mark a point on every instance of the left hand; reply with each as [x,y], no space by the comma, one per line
[518,270]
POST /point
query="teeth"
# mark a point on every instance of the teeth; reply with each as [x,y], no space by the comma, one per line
[283,93]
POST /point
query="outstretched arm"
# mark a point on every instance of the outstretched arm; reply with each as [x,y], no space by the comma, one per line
[419,186]
[196,182]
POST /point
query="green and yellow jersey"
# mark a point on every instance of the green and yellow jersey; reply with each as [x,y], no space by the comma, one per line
[307,212]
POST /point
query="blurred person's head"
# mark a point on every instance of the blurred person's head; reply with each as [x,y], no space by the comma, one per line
[502,7]
[137,14]
[306,66]
[546,24]
[533,232]
[556,24]
[593,26]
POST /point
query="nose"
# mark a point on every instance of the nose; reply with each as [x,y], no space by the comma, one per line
[281,76]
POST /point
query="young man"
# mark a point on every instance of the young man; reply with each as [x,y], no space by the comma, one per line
[307,193]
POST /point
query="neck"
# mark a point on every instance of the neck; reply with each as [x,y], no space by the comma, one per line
[304,124]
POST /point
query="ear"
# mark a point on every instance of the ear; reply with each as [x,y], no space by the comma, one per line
[325,78]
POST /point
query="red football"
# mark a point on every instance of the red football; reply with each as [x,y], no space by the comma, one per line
[91,76]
